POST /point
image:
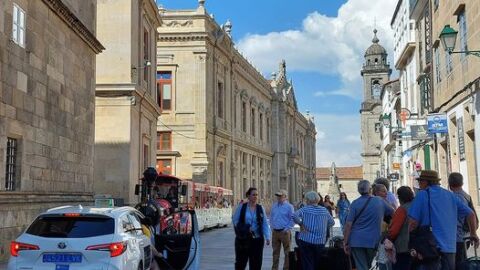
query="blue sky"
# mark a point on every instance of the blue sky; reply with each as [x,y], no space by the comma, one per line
[323,42]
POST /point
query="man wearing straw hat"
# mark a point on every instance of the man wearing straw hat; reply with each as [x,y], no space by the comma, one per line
[439,208]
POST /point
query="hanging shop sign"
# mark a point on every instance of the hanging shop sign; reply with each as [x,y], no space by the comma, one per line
[396,166]
[437,123]
[420,132]
[394,177]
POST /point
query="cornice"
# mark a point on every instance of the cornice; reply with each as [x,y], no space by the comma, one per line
[151,11]
[249,69]
[75,24]
[116,90]
[181,38]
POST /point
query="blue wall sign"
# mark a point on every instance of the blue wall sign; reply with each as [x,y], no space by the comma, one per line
[437,123]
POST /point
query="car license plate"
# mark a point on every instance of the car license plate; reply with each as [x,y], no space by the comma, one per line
[62,267]
[62,258]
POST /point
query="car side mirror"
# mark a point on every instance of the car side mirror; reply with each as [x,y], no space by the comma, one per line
[183,190]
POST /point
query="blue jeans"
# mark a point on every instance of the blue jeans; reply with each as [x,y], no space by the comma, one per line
[310,254]
[363,257]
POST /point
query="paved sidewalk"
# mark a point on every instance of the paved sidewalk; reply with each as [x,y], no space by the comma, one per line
[218,250]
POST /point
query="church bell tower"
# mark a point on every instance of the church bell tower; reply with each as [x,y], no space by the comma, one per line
[375,72]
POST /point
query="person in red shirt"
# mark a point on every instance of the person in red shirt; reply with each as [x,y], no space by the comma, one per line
[398,229]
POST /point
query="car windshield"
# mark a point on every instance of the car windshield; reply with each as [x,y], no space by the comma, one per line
[71,227]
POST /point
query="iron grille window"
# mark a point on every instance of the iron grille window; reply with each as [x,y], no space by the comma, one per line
[425,96]
[10,172]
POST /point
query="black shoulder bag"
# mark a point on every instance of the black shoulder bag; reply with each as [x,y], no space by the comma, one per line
[466,227]
[242,229]
[423,241]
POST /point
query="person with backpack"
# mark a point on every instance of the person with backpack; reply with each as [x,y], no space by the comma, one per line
[314,221]
[251,232]
[363,228]
[398,229]
[455,183]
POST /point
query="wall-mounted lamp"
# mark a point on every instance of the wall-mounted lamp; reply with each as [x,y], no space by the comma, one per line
[146,63]
[386,120]
[448,36]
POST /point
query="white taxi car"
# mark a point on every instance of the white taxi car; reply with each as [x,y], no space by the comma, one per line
[71,238]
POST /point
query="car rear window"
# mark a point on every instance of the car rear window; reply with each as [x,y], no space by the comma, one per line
[71,227]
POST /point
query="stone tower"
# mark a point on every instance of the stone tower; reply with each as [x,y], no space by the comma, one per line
[376,72]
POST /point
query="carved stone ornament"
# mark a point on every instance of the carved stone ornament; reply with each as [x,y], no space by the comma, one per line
[200,169]
[175,24]
[253,101]
[261,107]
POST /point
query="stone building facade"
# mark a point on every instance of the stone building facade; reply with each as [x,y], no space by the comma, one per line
[456,85]
[218,120]
[391,133]
[375,72]
[47,101]
[293,140]
[126,110]
[434,81]
[406,56]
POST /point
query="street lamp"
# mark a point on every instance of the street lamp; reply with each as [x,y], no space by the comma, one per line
[448,36]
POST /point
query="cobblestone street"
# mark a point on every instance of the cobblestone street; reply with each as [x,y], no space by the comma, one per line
[218,251]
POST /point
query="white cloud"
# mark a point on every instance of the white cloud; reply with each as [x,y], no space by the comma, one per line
[340,140]
[320,135]
[328,45]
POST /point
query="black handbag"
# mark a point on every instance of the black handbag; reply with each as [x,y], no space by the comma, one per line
[423,241]
[242,231]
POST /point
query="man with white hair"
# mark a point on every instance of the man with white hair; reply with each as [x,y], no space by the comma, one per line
[314,221]
[362,229]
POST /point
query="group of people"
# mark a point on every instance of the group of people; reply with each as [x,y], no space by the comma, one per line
[253,230]
[375,226]
[212,202]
